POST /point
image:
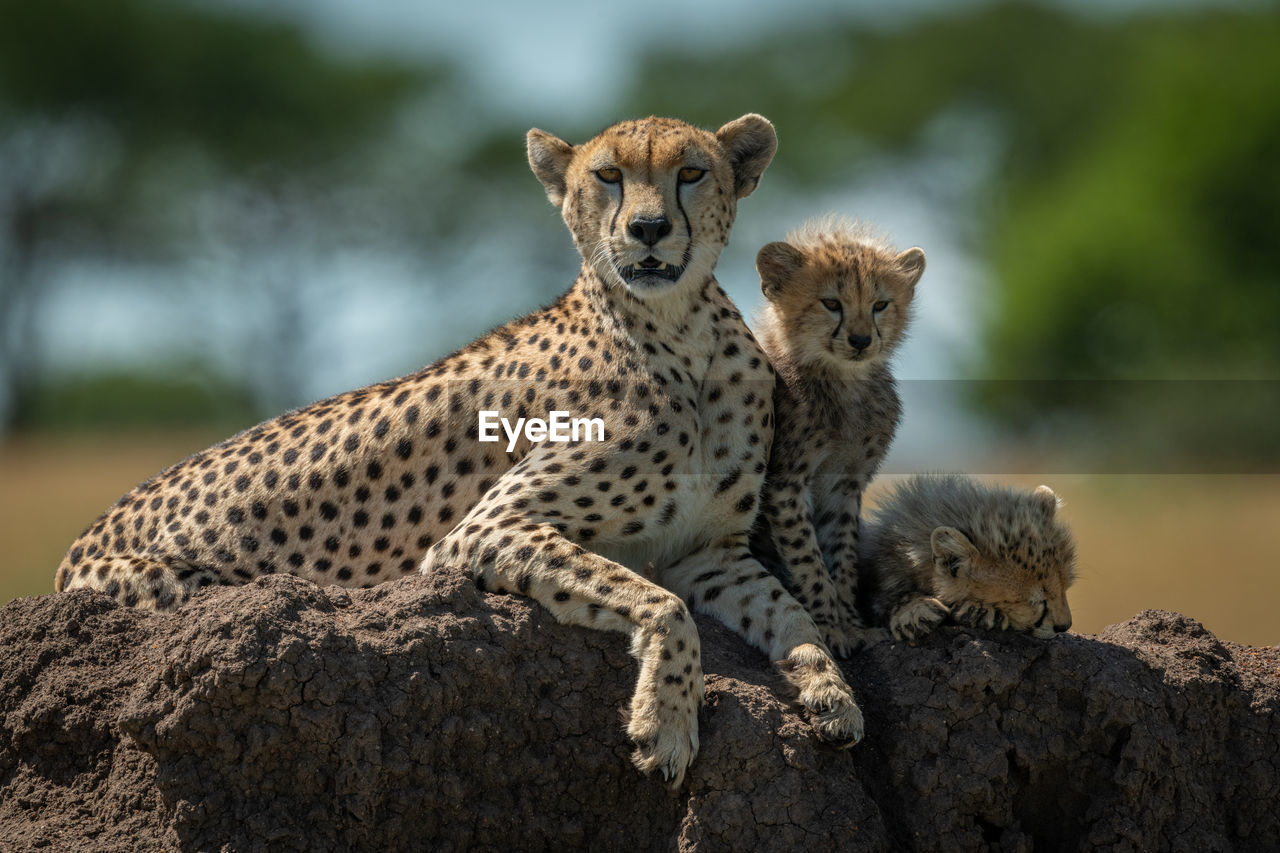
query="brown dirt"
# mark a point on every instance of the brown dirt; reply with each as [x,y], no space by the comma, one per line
[423,714]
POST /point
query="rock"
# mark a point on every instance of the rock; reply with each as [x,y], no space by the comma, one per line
[423,714]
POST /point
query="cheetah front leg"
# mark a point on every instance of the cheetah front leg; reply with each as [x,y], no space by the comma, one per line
[838,529]
[725,581]
[916,616]
[507,552]
[792,529]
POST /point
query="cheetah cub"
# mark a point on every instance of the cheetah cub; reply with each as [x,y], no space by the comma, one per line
[838,304]
[988,556]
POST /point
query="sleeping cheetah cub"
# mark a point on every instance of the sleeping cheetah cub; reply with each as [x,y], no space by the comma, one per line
[988,556]
[839,300]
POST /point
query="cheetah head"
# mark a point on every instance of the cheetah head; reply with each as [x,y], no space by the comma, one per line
[650,202]
[839,295]
[1018,569]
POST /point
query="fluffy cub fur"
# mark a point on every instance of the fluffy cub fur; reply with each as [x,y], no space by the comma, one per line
[986,555]
[838,304]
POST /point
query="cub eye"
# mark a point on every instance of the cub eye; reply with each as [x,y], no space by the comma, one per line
[609,176]
[831,304]
[691,176]
[880,306]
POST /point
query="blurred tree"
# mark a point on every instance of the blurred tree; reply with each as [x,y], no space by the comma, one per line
[1129,215]
[113,116]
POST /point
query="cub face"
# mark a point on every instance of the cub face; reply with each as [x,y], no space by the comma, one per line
[1023,576]
[650,202]
[842,301]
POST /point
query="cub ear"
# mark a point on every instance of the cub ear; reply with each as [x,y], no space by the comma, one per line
[549,157]
[952,551]
[750,142]
[911,262]
[777,263]
[1046,500]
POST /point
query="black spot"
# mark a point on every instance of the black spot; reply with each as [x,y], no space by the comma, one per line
[328,511]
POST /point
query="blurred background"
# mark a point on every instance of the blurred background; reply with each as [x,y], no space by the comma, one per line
[213,212]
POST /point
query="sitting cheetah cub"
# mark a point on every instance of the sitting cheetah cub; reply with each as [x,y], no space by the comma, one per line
[839,300]
[988,556]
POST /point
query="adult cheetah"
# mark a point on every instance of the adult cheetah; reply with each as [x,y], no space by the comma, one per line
[375,483]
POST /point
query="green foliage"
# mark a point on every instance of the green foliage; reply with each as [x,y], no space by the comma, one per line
[1131,217]
[162,73]
[120,400]
[119,121]
[1151,252]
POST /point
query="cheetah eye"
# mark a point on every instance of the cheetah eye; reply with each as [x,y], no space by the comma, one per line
[610,175]
[690,175]
[831,305]
[880,306]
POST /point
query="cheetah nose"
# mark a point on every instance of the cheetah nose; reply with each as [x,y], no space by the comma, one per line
[649,230]
[859,342]
[1060,627]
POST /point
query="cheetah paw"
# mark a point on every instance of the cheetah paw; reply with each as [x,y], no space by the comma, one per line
[667,748]
[822,691]
[977,614]
[664,727]
[915,619]
[840,644]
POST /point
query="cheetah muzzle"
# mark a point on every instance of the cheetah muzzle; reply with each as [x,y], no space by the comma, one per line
[651,268]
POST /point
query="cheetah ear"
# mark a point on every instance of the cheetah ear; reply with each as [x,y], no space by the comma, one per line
[1046,500]
[911,262]
[750,142]
[952,551]
[777,263]
[549,157]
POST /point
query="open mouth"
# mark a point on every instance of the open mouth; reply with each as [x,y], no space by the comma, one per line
[651,267]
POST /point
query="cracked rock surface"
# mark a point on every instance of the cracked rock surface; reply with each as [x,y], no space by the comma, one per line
[425,715]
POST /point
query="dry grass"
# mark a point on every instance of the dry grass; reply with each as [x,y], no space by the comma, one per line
[1198,544]
[51,489]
